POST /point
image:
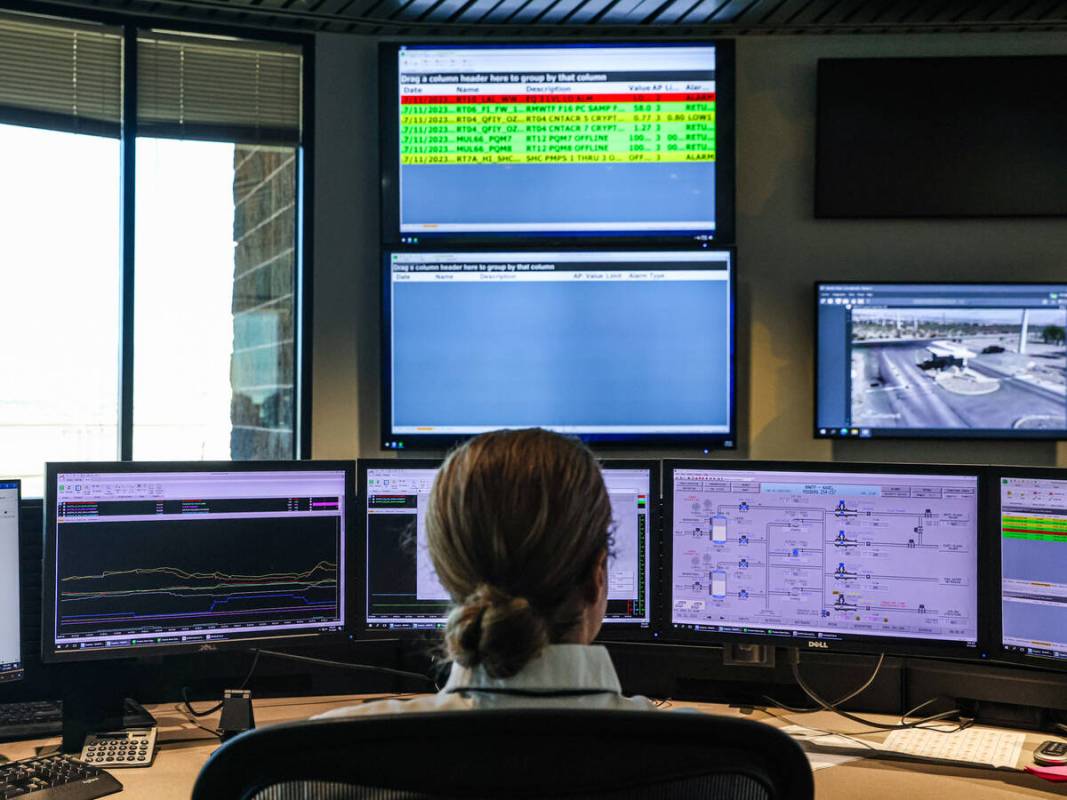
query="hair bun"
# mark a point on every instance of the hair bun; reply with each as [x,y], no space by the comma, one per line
[495,630]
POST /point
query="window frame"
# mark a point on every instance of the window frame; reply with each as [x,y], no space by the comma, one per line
[131,26]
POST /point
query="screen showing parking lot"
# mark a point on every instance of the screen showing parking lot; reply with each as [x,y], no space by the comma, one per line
[941,360]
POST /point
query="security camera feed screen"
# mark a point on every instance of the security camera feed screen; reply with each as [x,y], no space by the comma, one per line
[1033,539]
[942,361]
[825,555]
[557,139]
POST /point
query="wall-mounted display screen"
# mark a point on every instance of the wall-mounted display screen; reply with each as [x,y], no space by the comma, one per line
[941,360]
[588,140]
[608,346]
[941,137]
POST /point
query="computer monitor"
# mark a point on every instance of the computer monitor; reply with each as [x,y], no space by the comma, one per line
[610,346]
[402,591]
[145,558]
[823,556]
[10,583]
[1030,622]
[594,141]
[941,360]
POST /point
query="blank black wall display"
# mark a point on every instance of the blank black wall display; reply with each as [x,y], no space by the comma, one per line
[942,137]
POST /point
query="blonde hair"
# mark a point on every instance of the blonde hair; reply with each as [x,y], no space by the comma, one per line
[516,524]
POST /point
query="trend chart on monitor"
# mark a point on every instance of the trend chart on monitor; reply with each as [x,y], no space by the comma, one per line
[884,555]
[196,575]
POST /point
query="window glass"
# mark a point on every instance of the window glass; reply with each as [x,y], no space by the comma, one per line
[60,270]
[214,299]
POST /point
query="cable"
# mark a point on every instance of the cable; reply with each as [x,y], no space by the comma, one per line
[903,725]
[322,662]
[208,712]
[839,701]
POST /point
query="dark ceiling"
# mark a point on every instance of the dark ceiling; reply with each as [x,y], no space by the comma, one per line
[606,17]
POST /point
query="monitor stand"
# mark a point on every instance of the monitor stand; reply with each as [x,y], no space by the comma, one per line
[98,702]
[748,655]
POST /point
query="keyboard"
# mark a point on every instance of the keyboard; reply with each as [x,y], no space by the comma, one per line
[56,777]
[36,720]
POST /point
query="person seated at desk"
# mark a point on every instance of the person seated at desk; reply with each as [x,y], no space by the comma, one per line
[518,526]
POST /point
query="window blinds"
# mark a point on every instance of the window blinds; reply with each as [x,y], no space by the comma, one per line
[61,75]
[198,87]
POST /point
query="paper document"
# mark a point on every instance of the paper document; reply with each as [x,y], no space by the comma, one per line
[823,760]
[975,745]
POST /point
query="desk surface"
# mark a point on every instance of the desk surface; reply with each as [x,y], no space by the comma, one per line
[183,749]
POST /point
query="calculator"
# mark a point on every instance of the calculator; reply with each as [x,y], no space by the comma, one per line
[1051,754]
[130,748]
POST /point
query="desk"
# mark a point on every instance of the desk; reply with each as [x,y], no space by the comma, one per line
[183,749]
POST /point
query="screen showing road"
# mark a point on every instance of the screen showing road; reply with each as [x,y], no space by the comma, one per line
[942,360]
[10,627]
[557,139]
[149,559]
[403,591]
[825,555]
[604,345]
[1033,541]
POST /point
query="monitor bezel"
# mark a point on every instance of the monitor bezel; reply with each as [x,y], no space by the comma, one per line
[51,655]
[852,643]
[18,672]
[908,433]
[614,632]
[725,158]
[998,650]
[442,441]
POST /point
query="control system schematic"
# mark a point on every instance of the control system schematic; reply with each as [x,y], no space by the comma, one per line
[823,555]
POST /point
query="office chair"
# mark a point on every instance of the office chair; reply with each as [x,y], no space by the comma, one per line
[514,754]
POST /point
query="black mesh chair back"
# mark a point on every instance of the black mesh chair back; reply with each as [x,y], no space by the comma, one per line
[520,754]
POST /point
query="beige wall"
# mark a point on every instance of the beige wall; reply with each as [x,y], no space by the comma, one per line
[782,249]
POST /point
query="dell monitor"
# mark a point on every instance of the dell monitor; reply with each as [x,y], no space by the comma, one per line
[152,558]
[941,360]
[827,556]
[402,591]
[1031,521]
[610,142]
[610,346]
[10,620]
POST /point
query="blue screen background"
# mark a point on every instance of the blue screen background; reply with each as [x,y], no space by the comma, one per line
[556,193]
[553,353]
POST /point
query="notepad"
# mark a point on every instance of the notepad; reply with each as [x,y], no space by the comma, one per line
[983,746]
[979,747]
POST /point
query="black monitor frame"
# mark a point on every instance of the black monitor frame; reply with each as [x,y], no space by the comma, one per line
[18,671]
[909,433]
[725,117]
[848,643]
[994,556]
[615,632]
[441,441]
[50,655]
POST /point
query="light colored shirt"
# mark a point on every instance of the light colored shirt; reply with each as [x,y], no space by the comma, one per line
[562,676]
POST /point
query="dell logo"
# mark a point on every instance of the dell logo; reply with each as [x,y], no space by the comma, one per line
[822,645]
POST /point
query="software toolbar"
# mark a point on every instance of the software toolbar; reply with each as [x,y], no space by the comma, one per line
[825,555]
